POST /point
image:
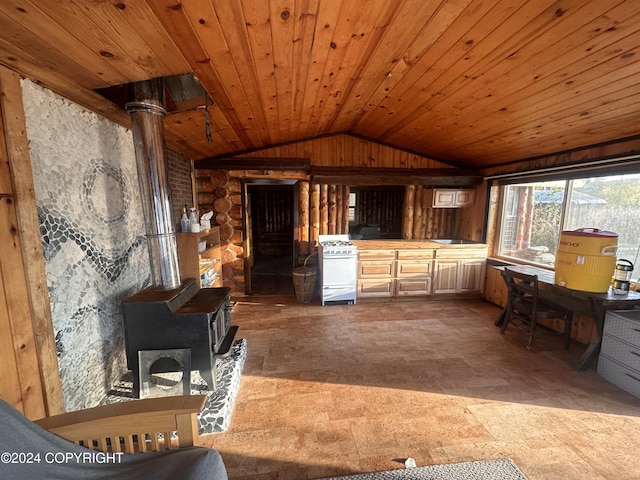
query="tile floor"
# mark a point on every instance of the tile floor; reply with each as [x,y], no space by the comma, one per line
[341,389]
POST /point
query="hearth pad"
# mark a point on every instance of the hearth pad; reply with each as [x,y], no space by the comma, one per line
[216,414]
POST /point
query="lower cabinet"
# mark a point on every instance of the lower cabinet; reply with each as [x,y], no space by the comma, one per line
[376,273]
[420,272]
[471,275]
[446,276]
[459,270]
[413,273]
[390,273]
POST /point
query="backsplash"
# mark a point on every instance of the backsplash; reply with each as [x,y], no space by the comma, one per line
[88,201]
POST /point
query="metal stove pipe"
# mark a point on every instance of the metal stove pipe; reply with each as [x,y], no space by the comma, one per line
[147,124]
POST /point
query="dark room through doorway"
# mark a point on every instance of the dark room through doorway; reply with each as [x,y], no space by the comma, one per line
[272,213]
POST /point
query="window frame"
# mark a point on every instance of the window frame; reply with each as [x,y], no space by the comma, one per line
[568,180]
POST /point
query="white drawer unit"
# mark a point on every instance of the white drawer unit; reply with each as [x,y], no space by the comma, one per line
[619,375]
[619,360]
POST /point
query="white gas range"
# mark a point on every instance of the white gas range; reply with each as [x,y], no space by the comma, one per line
[338,269]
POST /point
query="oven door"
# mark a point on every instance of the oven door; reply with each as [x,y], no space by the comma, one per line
[339,270]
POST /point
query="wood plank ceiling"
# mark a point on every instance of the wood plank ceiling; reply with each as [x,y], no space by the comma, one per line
[473,83]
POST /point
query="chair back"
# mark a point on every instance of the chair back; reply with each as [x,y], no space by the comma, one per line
[522,293]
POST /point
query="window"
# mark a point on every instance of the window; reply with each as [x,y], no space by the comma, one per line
[534,214]
[352,207]
[377,212]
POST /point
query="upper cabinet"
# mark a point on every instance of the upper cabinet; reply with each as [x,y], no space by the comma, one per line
[452,198]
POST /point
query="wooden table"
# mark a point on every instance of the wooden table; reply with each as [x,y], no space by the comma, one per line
[592,304]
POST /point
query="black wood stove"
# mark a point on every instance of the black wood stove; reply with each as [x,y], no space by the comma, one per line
[185,318]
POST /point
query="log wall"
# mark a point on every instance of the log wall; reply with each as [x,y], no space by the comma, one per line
[381,207]
[323,208]
[420,221]
[219,192]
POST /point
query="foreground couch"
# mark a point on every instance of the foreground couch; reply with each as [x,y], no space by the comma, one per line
[150,438]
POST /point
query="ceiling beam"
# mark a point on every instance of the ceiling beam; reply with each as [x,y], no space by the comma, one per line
[254,163]
[437,177]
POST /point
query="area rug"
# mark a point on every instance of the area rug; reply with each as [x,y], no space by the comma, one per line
[216,414]
[500,469]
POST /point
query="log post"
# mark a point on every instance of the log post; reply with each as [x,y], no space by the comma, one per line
[407,223]
[324,209]
[345,215]
[303,218]
[339,208]
[332,209]
[429,231]
[315,214]
[417,211]
[425,214]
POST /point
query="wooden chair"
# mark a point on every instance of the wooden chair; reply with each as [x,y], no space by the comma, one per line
[131,427]
[524,304]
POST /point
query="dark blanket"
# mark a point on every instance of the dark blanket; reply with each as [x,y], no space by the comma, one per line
[30,452]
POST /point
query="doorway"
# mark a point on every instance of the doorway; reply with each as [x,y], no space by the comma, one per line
[271,222]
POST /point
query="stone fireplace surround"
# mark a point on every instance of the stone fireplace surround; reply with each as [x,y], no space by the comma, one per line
[88,202]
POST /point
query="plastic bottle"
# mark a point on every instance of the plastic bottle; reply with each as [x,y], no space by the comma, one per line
[185,225]
[193,221]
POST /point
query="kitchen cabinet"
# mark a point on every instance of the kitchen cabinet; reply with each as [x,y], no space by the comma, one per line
[398,268]
[199,256]
[390,273]
[375,273]
[413,271]
[451,198]
[471,275]
[446,276]
[459,270]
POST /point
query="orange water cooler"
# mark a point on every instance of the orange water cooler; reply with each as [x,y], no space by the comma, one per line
[586,259]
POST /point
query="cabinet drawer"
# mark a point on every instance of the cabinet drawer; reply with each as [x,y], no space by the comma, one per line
[619,375]
[461,253]
[624,325]
[381,287]
[376,254]
[375,269]
[413,268]
[413,286]
[621,352]
[415,254]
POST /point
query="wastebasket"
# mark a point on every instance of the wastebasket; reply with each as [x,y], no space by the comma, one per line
[304,280]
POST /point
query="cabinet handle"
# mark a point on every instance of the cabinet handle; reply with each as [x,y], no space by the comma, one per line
[632,376]
[636,330]
[634,353]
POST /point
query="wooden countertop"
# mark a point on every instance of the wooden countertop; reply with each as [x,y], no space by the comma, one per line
[411,244]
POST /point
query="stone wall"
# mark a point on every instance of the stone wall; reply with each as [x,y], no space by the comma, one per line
[88,201]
